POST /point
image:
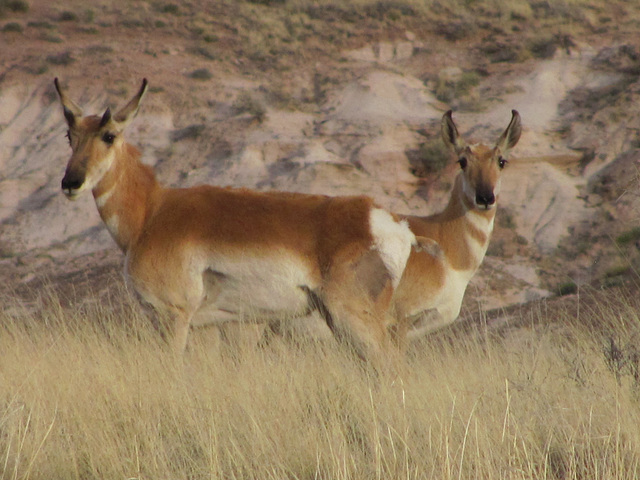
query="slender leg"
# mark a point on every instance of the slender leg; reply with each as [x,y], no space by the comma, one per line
[356,298]
[180,321]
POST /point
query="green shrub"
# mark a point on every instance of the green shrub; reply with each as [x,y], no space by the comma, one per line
[12,27]
[16,6]
[448,90]
[629,237]
[268,2]
[170,8]
[41,24]
[246,103]
[68,16]
[567,288]
[63,58]
[201,74]
[430,157]
[543,47]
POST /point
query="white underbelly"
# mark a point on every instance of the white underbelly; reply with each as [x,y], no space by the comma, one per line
[446,301]
[256,289]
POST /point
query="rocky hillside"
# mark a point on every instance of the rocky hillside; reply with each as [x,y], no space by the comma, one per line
[318,97]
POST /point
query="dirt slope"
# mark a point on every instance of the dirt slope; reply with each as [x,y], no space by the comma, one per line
[232,104]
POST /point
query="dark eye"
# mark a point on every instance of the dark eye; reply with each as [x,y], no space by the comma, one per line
[108,138]
[502,162]
[68,135]
[463,162]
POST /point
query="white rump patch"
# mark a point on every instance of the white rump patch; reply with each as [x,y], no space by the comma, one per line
[393,240]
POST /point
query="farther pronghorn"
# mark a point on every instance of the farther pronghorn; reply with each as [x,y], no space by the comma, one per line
[455,240]
[239,253]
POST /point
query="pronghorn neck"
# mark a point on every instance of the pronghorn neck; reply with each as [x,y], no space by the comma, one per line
[124,196]
[463,230]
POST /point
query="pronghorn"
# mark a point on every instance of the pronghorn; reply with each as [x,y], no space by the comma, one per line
[453,242]
[238,253]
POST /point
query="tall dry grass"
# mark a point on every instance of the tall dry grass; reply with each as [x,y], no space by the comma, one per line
[95,394]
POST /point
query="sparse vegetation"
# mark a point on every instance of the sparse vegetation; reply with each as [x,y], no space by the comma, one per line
[52,38]
[15,6]
[68,16]
[37,68]
[245,102]
[189,132]
[98,49]
[14,27]
[64,58]
[201,74]
[566,288]
[170,8]
[449,89]
[431,157]
[203,52]
[41,24]
[629,236]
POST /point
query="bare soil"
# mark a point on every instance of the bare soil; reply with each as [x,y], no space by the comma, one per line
[332,100]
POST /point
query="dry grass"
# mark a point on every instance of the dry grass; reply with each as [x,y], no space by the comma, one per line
[83,396]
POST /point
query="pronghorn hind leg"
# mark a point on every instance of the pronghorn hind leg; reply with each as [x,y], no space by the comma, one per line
[176,323]
[355,302]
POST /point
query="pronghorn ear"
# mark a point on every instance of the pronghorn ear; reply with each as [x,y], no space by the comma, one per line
[70,109]
[126,113]
[450,133]
[511,135]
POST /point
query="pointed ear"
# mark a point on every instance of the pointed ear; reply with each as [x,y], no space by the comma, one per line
[511,135]
[70,109]
[450,134]
[126,113]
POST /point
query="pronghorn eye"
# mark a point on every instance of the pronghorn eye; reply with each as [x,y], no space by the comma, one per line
[108,138]
[463,162]
[502,162]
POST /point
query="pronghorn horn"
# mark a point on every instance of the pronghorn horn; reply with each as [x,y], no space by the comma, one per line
[71,110]
[105,117]
[126,113]
[511,135]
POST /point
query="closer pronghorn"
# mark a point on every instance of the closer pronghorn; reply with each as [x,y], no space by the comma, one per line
[454,241]
[237,253]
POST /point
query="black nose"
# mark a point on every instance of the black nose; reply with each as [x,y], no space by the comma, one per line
[72,182]
[486,198]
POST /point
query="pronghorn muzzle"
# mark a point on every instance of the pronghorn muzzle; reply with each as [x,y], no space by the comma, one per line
[71,183]
[485,198]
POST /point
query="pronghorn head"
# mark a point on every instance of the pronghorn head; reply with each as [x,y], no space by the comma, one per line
[94,141]
[481,165]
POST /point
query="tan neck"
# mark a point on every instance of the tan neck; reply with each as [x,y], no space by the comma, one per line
[125,196]
[461,230]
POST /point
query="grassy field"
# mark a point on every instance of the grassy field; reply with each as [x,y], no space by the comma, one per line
[94,394]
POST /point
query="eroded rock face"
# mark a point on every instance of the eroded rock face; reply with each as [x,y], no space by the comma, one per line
[356,142]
